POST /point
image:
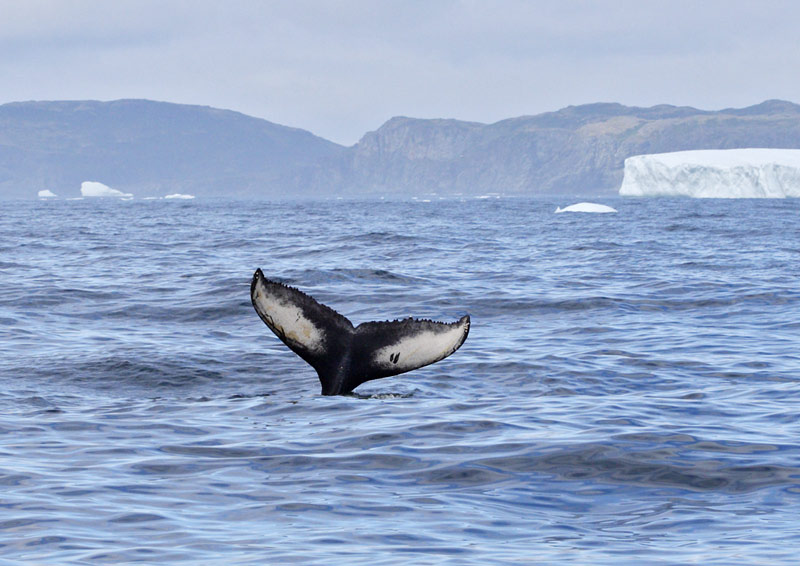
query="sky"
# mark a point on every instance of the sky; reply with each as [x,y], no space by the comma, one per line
[341,68]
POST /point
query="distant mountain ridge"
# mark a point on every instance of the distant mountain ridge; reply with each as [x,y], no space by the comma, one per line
[153,148]
[576,150]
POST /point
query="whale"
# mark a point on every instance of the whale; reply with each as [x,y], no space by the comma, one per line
[343,355]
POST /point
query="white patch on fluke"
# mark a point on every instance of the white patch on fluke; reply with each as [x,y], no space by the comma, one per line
[286,319]
[420,349]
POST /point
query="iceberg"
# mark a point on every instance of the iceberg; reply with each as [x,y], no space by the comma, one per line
[179,196]
[586,207]
[95,189]
[47,194]
[714,173]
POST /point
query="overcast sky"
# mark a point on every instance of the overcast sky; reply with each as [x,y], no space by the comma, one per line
[342,68]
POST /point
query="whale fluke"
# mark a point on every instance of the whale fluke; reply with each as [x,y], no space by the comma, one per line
[346,356]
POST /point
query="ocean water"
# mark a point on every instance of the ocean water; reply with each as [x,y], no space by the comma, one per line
[629,392]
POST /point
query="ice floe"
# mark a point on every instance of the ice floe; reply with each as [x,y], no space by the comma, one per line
[586,207]
[95,189]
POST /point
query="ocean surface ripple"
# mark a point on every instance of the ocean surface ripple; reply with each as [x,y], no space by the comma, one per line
[628,392]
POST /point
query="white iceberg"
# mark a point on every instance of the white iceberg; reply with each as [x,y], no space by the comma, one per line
[47,194]
[714,173]
[179,196]
[95,189]
[586,207]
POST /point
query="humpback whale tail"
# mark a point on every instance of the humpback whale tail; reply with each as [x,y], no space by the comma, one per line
[345,356]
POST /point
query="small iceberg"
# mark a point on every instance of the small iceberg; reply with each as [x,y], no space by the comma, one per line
[179,196]
[95,189]
[586,207]
[47,194]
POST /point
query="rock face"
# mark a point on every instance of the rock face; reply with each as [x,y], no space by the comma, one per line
[731,173]
[577,150]
[155,148]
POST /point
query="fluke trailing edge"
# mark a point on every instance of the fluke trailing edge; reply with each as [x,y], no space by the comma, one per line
[346,356]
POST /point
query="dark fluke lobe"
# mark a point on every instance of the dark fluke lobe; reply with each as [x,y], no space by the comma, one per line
[346,356]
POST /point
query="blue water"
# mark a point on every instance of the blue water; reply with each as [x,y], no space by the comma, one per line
[629,392]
